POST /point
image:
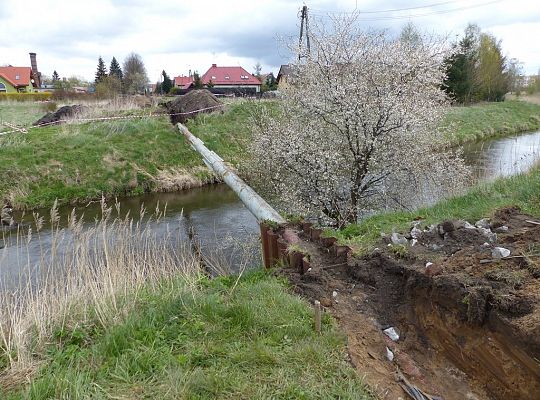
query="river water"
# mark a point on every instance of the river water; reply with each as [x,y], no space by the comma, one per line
[221,223]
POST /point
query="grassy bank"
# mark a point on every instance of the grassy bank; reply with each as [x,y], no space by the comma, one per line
[79,161]
[481,121]
[481,201]
[223,339]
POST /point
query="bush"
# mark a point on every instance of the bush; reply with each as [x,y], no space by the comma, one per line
[175,91]
[43,96]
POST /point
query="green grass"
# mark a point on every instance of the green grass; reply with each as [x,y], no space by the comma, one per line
[21,113]
[472,123]
[225,340]
[481,201]
[79,162]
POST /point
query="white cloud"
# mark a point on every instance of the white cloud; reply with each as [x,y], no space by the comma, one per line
[177,36]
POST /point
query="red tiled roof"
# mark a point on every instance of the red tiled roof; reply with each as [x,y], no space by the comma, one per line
[229,76]
[11,73]
[183,81]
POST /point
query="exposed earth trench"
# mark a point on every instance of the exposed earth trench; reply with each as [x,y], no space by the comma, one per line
[469,329]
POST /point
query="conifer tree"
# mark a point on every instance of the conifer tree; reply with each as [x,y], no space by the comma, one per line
[167,83]
[55,76]
[101,70]
[197,81]
[115,70]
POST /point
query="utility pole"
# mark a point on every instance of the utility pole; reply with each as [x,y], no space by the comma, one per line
[304,21]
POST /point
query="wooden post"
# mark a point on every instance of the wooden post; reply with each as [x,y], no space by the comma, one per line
[317,307]
[265,247]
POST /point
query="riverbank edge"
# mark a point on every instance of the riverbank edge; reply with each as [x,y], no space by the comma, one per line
[478,202]
[528,122]
[234,124]
[238,330]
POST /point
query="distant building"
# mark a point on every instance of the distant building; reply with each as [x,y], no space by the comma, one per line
[183,82]
[283,76]
[20,79]
[235,78]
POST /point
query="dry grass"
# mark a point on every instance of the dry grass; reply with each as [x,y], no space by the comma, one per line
[529,98]
[86,276]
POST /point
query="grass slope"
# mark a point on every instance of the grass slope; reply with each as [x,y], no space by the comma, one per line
[476,122]
[481,201]
[226,340]
[78,162]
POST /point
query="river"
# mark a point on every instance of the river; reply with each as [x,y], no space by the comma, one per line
[223,226]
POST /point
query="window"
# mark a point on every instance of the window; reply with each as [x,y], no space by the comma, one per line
[17,77]
[227,77]
[213,77]
[2,87]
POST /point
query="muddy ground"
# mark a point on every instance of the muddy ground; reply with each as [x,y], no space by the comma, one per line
[468,323]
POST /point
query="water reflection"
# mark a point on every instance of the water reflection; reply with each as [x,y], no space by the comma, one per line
[503,157]
[227,231]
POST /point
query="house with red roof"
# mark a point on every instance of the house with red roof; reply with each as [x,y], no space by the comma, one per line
[17,79]
[20,79]
[232,78]
[183,82]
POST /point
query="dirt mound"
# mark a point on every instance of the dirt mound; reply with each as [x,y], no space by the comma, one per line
[188,105]
[468,319]
[62,114]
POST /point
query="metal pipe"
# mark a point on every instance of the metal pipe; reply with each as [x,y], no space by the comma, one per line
[253,202]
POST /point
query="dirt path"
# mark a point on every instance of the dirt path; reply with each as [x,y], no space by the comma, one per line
[468,329]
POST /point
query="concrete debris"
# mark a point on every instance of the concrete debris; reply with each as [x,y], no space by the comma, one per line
[468,225]
[501,229]
[491,236]
[389,355]
[416,232]
[397,238]
[430,228]
[483,223]
[392,333]
[500,252]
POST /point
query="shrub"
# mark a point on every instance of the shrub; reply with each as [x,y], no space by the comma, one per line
[43,96]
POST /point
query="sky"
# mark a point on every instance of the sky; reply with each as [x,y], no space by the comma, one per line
[179,36]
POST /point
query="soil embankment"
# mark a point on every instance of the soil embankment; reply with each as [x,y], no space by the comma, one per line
[468,321]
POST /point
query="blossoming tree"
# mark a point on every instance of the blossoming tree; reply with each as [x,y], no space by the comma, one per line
[358,127]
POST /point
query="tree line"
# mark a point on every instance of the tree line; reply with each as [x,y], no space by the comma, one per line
[477,70]
[130,79]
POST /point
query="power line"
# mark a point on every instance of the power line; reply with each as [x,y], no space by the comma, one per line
[397,17]
[390,10]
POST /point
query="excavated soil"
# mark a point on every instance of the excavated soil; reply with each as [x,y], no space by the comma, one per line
[60,115]
[469,324]
[189,105]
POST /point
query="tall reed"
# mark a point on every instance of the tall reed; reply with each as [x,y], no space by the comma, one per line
[88,275]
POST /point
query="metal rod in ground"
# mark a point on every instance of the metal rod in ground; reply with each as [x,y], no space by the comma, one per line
[317,307]
[253,202]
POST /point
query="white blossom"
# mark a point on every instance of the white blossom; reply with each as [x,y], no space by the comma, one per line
[358,129]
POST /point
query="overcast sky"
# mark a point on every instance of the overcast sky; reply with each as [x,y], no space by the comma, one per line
[69,36]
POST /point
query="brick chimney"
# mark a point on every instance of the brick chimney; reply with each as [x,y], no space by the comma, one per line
[35,72]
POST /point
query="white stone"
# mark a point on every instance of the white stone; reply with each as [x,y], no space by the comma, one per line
[500,252]
[398,239]
[391,333]
[482,223]
[389,355]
